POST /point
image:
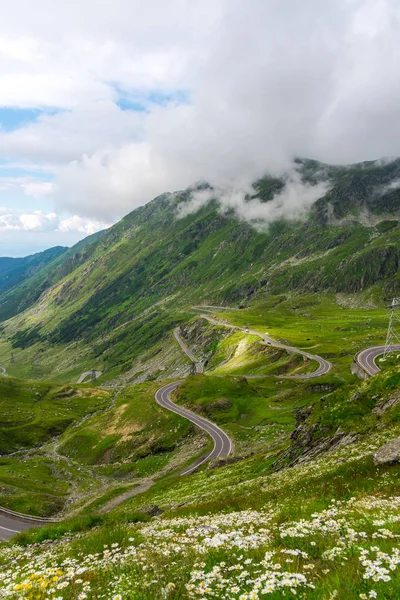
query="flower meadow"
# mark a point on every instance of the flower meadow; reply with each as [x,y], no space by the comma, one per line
[351,549]
[327,528]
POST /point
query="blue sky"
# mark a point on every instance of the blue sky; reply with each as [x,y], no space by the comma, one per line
[104,106]
[29,187]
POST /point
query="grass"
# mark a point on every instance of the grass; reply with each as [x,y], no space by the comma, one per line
[316,519]
[219,518]
[257,413]
[316,323]
[235,514]
[135,429]
[32,412]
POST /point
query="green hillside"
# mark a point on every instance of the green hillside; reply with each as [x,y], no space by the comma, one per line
[13,271]
[306,503]
[35,415]
[120,294]
[304,512]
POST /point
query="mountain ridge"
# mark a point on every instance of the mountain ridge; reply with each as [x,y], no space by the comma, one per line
[135,281]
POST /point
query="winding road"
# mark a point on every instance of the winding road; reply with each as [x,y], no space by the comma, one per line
[197,365]
[222,443]
[93,374]
[324,366]
[12,522]
[366,358]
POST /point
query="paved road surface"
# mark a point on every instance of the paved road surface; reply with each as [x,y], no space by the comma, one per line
[366,358]
[11,523]
[222,443]
[324,366]
[89,374]
[197,365]
[9,527]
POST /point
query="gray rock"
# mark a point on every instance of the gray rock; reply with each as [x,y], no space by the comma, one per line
[388,454]
[153,510]
[383,405]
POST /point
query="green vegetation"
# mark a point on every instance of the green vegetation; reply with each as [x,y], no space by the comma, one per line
[15,270]
[300,507]
[32,412]
[327,521]
[333,326]
[115,297]
[120,440]
[257,413]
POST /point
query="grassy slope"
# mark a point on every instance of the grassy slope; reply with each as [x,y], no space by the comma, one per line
[15,270]
[333,326]
[331,509]
[34,414]
[140,287]
[119,296]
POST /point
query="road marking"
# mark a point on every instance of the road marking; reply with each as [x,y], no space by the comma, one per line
[8,529]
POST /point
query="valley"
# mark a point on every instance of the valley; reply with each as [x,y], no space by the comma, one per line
[201,396]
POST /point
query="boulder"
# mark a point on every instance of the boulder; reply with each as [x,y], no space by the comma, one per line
[389,454]
[153,510]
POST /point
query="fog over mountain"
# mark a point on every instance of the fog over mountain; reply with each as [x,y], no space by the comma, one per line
[123,102]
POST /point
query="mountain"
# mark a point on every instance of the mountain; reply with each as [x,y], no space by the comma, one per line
[15,270]
[22,290]
[300,494]
[117,295]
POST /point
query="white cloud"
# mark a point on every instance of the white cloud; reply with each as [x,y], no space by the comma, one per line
[81,225]
[38,189]
[292,202]
[42,222]
[267,80]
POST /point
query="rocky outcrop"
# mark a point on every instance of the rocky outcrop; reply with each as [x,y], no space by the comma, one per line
[359,371]
[309,441]
[384,405]
[389,454]
[220,404]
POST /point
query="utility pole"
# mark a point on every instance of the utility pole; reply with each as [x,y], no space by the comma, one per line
[393,332]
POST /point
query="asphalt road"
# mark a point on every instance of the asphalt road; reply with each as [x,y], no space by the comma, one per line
[222,443]
[9,527]
[324,366]
[89,374]
[366,358]
[11,523]
[197,365]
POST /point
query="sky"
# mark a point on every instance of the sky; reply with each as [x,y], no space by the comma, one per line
[106,104]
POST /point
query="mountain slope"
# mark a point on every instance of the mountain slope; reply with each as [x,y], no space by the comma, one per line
[26,289]
[128,288]
[15,270]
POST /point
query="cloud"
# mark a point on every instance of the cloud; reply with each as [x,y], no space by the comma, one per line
[81,225]
[292,202]
[38,189]
[266,81]
[59,138]
[42,222]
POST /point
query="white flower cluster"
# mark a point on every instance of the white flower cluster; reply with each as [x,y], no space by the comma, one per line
[242,555]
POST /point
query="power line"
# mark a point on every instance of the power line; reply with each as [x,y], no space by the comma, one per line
[393,332]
